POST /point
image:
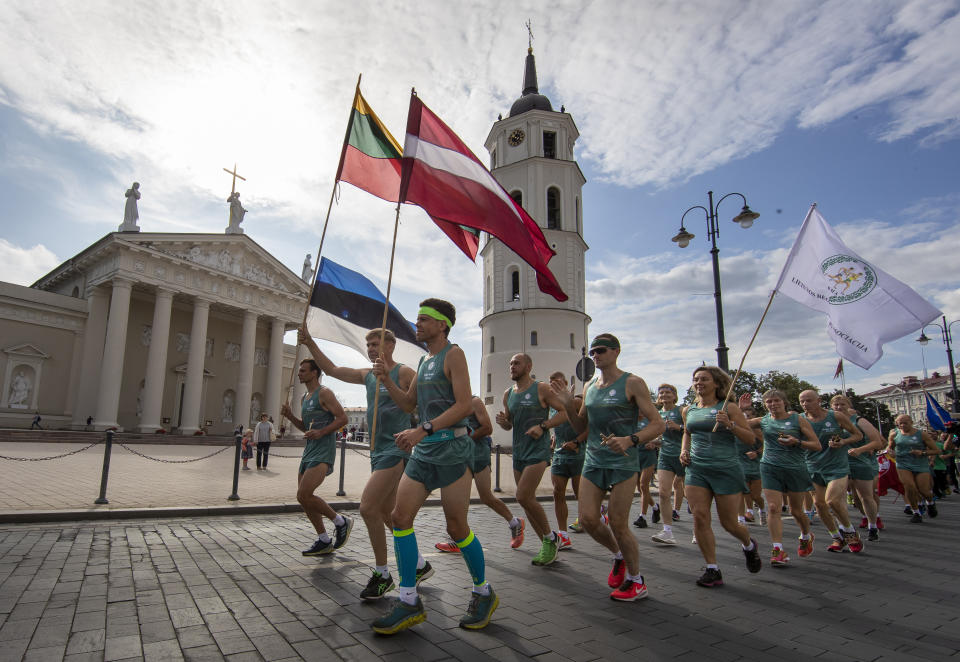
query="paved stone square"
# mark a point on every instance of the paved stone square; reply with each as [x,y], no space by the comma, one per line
[237,588]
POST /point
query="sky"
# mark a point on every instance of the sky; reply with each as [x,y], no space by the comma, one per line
[854,106]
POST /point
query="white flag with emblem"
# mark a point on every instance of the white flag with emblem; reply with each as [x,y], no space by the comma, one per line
[866,306]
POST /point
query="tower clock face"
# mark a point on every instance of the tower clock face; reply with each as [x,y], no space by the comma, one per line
[517,137]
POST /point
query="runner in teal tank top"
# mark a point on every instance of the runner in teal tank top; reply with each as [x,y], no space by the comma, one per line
[526,409]
[709,451]
[669,469]
[863,466]
[612,404]
[783,470]
[442,449]
[567,465]
[320,418]
[386,459]
[749,457]
[912,448]
[829,468]
[646,467]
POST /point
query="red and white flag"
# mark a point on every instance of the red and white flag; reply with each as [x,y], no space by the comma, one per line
[443,177]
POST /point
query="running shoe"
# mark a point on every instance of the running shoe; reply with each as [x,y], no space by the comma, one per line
[319,548]
[779,558]
[618,575]
[874,535]
[676,516]
[710,578]
[575,527]
[849,499]
[343,532]
[516,533]
[630,591]
[480,610]
[603,514]
[907,510]
[377,586]
[563,541]
[923,508]
[656,515]
[864,524]
[426,572]
[879,523]
[916,519]
[547,553]
[693,540]
[748,517]
[400,617]
[932,510]
[448,546]
[753,557]
[640,522]
[854,544]
[805,547]
[664,537]
[762,517]
[837,545]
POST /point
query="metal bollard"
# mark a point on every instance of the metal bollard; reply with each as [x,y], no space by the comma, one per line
[497,485]
[343,465]
[238,439]
[107,449]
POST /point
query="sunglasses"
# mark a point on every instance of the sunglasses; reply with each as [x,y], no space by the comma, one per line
[596,351]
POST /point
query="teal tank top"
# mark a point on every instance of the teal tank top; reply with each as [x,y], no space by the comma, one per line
[474,424]
[828,460]
[672,439]
[435,396]
[865,459]
[709,449]
[390,418]
[562,434]
[775,453]
[610,412]
[315,417]
[904,443]
[525,412]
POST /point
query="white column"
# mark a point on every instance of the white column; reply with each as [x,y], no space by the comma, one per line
[76,360]
[248,338]
[93,333]
[275,369]
[156,362]
[190,415]
[114,348]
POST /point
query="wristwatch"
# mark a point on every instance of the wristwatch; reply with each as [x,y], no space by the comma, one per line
[543,426]
[427,427]
[635,439]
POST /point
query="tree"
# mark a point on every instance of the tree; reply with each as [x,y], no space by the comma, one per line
[868,408]
[757,385]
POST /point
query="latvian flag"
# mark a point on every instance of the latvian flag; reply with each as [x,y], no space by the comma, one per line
[345,305]
[442,176]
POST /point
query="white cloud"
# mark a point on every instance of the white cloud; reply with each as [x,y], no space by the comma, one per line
[23,266]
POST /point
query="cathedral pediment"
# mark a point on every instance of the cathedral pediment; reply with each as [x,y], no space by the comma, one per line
[26,350]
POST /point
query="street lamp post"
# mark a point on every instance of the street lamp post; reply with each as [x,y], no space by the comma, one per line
[945,333]
[745,219]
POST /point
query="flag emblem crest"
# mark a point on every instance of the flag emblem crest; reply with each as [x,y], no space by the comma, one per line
[850,278]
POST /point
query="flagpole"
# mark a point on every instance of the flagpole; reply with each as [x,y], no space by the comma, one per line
[742,360]
[323,236]
[383,325]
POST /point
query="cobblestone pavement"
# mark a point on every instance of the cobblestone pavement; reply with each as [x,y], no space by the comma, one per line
[237,588]
[135,482]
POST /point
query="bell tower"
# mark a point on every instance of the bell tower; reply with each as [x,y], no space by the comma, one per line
[532,156]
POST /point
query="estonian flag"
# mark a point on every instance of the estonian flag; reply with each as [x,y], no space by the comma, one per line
[345,306]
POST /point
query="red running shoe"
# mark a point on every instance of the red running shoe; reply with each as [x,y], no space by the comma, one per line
[837,545]
[516,533]
[863,523]
[854,544]
[618,575]
[879,523]
[447,546]
[805,547]
[630,591]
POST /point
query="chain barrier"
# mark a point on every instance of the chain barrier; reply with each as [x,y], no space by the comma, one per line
[157,459]
[52,457]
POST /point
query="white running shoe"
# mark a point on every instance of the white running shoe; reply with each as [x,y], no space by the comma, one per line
[664,537]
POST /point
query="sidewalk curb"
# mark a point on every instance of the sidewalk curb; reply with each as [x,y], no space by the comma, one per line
[172,512]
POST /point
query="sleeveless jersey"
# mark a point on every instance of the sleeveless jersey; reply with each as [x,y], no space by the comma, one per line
[390,418]
[314,416]
[709,449]
[610,412]
[525,412]
[904,443]
[562,434]
[827,460]
[435,396]
[775,453]
[672,439]
[866,459]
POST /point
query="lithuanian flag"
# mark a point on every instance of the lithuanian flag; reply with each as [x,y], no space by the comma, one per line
[371,155]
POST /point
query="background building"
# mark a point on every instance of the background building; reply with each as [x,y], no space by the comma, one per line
[906,397]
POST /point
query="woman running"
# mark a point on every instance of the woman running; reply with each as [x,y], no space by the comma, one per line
[709,451]
[749,457]
[783,470]
[912,448]
[668,464]
[863,464]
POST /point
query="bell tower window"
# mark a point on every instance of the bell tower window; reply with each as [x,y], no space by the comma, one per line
[550,144]
[517,196]
[553,208]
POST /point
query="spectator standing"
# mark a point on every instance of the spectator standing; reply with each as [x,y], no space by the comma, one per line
[263,434]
